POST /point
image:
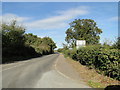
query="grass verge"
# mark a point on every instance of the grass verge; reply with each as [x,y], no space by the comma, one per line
[94,84]
[90,76]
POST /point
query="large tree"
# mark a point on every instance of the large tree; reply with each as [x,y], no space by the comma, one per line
[50,42]
[12,34]
[42,45]
[83,29]
[32,39]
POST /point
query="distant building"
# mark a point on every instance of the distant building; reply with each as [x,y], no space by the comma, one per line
[80,43]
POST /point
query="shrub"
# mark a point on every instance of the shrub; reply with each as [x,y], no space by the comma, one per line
[104,60]
[18,45]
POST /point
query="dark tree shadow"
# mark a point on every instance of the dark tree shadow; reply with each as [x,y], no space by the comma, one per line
[11,55]
[112,87]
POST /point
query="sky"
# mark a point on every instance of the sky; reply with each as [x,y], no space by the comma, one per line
[52,18]
[60,0]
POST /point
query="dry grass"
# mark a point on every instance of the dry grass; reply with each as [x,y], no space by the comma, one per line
[90,76]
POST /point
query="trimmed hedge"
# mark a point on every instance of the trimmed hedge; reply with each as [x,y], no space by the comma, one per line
[104,60]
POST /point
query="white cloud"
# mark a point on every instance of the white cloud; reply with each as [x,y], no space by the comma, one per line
[53,22]
[45,24]
[58,21]
[114,18]
[9,17]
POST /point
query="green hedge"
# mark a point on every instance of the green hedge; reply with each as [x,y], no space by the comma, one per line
[11,54]
[104,60]
[16,45]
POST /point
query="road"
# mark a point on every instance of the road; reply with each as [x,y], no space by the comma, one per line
[36,73]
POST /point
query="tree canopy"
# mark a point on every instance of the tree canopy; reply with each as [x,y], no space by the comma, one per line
[17,44]
[12,35]
[41,45]
[83,29]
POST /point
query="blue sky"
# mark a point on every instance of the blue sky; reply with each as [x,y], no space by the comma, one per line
[52,18]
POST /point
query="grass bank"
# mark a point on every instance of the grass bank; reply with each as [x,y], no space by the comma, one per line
[90,76]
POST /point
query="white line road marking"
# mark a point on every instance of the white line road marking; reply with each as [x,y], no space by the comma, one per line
[21,63]
[13,67]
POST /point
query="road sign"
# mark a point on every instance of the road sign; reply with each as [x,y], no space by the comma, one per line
[80,43]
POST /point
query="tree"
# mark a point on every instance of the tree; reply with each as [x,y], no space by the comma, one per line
[50,42]
[12,35]
[31,39]
[13,43]
[16,44]
[116,45]
[83,29]
[42,45]
[65,46]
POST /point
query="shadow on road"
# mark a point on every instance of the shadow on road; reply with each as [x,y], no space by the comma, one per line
[21,58]
[112,87]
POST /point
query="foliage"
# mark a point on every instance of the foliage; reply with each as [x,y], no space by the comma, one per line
[18,45]
[32,39]
[60,50]
[95,84]
[41,45]
[48,41]
[83,29]
[116,45]
[12,35]
[13,43]
[104,60]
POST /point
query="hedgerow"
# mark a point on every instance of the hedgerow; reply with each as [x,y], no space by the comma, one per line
[17,45]
[104,60]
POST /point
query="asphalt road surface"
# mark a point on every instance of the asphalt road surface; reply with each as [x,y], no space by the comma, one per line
[36,73]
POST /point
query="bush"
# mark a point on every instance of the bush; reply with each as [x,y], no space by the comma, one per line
[104,60]
[60,49]
[16,45]
[11,54]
